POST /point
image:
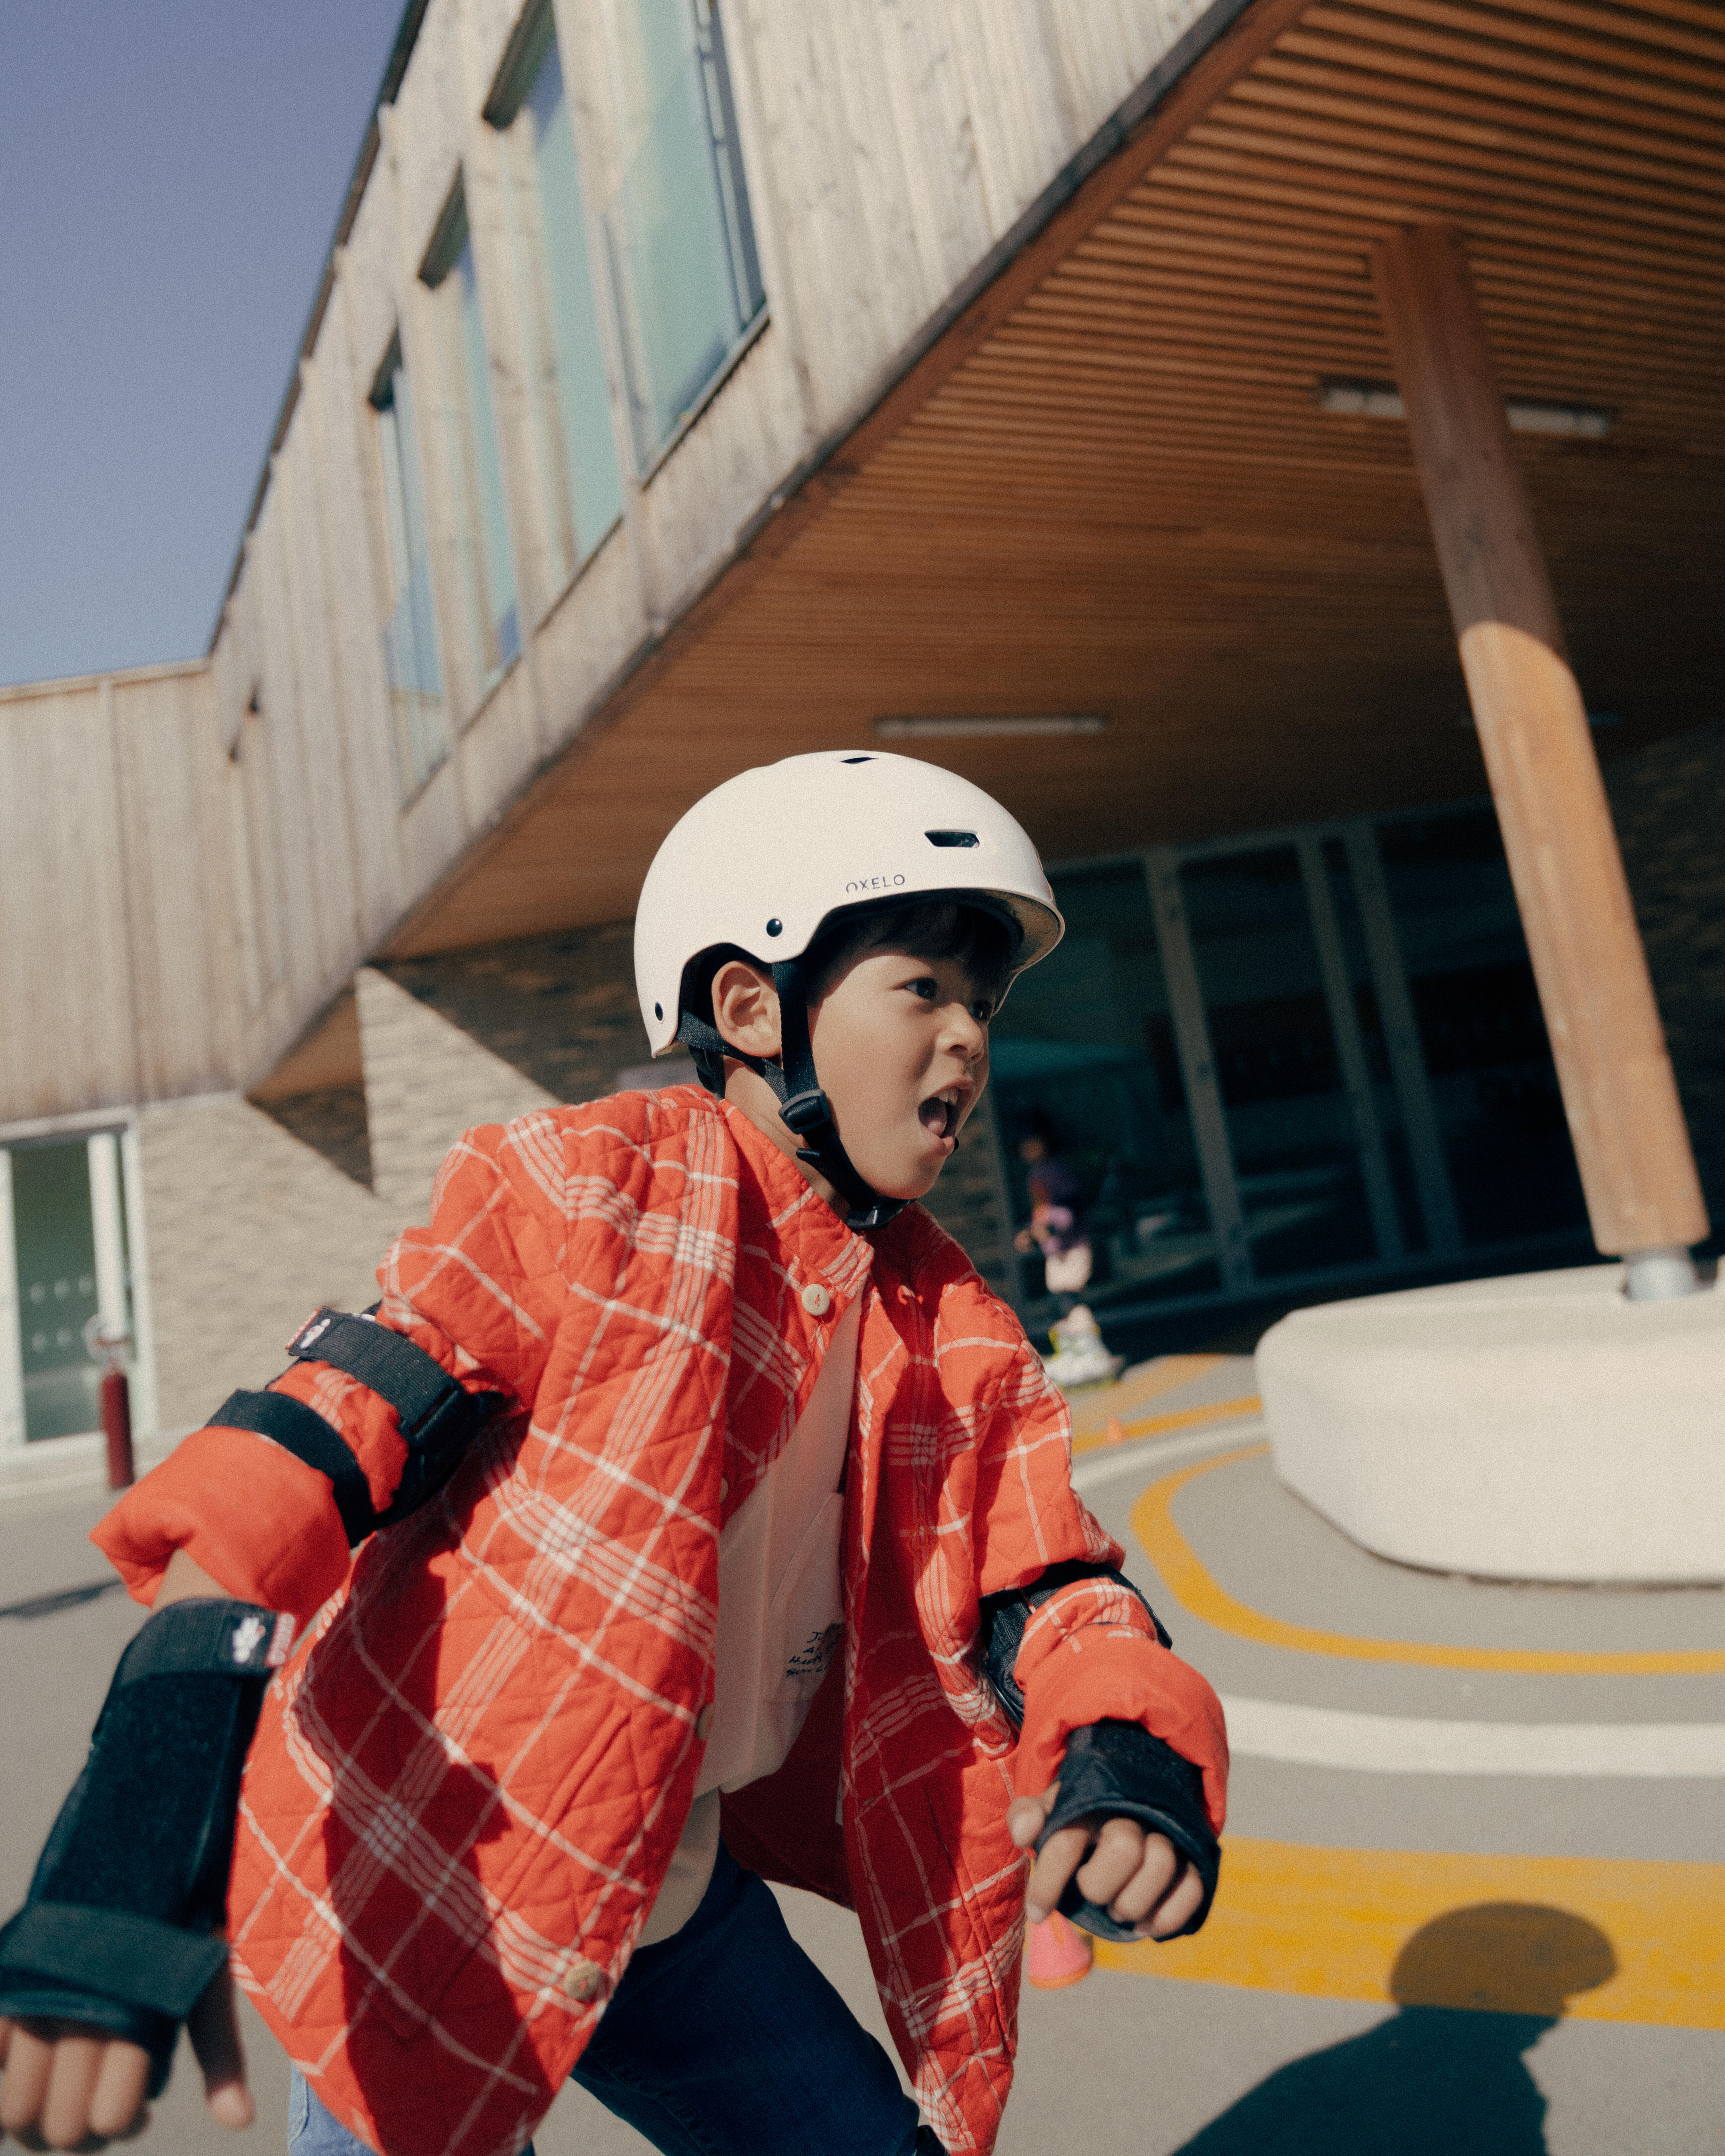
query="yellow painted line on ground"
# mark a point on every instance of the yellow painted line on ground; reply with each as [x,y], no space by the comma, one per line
[1192,1584]
[1605,1940]
[1133,1388]
[1176,1419]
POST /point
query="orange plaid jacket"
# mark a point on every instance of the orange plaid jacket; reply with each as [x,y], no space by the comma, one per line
[467,1783]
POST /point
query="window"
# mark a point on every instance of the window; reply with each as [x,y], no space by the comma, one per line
[678,233]
[566,360]
[63,1256]
[475,468]
[416,697]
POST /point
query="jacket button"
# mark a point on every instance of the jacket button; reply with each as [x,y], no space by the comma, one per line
[583,1980]
[704,1722]
[816,1299]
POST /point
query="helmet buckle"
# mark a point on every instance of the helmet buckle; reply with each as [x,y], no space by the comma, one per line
[806,1112]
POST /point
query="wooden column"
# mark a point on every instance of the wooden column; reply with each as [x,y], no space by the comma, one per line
[1619,1094]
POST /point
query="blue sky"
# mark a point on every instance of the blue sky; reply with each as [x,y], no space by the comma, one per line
[171,173]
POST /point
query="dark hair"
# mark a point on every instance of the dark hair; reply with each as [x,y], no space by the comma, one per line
[974,937]
[936,928]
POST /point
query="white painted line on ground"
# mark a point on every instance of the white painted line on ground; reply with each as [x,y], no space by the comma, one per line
[1394,1744]
[1154,1451]
[1391,1744]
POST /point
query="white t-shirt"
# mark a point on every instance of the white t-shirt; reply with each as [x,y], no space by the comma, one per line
[781,1619]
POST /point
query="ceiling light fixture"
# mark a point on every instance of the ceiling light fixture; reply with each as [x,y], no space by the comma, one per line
[1382,400]
[937,727]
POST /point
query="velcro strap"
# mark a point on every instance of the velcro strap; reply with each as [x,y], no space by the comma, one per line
[128,1958]
[302,1431]
[434,1408]
[208,1638]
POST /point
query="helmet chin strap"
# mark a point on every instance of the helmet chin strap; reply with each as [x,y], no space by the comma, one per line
[804,1108]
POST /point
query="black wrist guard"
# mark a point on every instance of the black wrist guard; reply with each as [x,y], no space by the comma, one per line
[132,1884]
[1005,1617]
[1118,1770]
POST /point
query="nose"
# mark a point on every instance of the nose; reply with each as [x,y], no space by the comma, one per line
[964,1033]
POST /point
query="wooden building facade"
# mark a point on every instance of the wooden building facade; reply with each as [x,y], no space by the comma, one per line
[697,382]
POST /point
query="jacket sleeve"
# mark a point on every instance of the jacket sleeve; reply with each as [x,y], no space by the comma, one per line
[478,1291]
[1084,1662]
[1092,1652]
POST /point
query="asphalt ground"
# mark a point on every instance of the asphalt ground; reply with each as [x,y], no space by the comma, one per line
[1472,1900]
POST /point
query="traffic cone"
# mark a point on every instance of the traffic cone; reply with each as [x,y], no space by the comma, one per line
[1058,1954]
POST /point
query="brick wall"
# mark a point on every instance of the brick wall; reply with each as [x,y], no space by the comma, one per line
[559,1009]
[1669,804]
[332,1120]
[249,1229]
[426,1080]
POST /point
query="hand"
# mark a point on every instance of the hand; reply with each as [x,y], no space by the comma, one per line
[1141,1879]
[69,2086]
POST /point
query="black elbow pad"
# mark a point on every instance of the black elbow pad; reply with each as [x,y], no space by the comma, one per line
[439,1419]
[121,1925]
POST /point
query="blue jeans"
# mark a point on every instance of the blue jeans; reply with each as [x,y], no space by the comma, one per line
[723,2041]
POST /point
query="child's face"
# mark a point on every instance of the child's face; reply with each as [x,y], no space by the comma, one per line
[901,1048]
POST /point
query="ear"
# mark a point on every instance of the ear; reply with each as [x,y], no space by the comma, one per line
[745,1008]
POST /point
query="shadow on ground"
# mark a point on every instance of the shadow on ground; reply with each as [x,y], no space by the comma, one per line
[1447,2075]
[64,1598]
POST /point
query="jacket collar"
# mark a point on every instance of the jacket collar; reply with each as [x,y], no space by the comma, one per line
[818,1250]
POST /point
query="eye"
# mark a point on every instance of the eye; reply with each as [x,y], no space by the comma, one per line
[982,1010]
[924,986]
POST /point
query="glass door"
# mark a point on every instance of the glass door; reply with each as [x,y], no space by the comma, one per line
[1305,1147]
[1497,1114]
[1310,1055]
[63,1262]
[1086,1069]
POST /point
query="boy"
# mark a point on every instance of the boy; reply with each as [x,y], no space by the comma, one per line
[757,1556]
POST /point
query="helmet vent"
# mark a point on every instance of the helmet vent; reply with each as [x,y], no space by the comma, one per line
[951,837]
[856,759]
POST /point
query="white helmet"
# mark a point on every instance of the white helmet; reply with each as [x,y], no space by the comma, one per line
[764,861]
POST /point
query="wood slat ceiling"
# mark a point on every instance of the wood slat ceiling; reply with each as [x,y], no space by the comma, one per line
[1125,498]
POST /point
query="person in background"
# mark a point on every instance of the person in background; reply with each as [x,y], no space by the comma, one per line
[1057,1225]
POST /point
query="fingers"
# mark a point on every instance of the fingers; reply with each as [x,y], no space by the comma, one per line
[1139,1878]
[71,2083]
[213,2027]
[1181,1905]
[1062,1854]
[28,2059]
[1117,1868]
[1027,1816]
[67,2088]
[1160,1894]
[117,2104]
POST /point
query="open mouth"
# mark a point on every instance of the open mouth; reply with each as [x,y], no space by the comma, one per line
[939,1114]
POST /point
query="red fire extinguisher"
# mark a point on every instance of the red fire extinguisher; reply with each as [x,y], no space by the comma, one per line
[111,1349]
